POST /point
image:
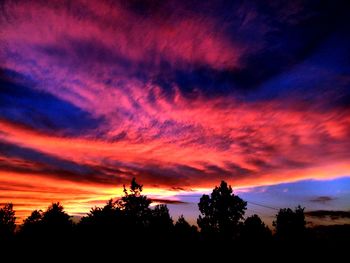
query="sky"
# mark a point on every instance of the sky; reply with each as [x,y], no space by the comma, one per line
[180,95]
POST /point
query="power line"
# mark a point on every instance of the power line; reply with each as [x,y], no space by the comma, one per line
[266,206]
[250,202]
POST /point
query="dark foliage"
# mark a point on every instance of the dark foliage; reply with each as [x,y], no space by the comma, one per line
[184,232]
[129,218]
[7,222]
[52,225]
[161,223]
[290,225]
[255,231]
[32,225]
[136,208]
[131,223]
[222,213]
[105,222]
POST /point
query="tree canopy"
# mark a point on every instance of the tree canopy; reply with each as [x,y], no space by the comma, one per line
[254,230]
[221,212]
[7,222]
[290,224]
[131,218]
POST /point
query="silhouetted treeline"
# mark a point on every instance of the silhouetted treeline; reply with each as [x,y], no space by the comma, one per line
[132,222]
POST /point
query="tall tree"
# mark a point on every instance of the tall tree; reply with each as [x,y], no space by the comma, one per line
[32,225]
[105,221]
[161,222]
[7,222]
[290,224]
[221,212]
[56,223]
[55,215]
[255,231]
[135,206]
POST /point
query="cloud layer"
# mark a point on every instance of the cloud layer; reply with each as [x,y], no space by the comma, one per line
[180,95]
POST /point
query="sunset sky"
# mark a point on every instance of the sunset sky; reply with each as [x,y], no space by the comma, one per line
[180,95]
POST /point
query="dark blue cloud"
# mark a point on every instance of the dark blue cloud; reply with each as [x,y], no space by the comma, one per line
[14,151]
[52,166]
[319,82]
[91,51]
[296,38]
[334,215]
[20,103]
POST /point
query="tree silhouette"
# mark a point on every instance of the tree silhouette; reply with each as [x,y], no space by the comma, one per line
[102,216]
[161,225]
[105,221]
[7,222]
[181,223]
[183,231]
[290,224]
[31,226]
[55,222]
[55,215]
[255,231]
[135,208]
[130,223]
[34,218]
[222,212]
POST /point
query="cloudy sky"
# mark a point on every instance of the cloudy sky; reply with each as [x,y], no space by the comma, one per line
[180,95]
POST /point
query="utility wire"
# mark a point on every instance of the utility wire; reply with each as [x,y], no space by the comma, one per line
[250,202]
[266,206]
